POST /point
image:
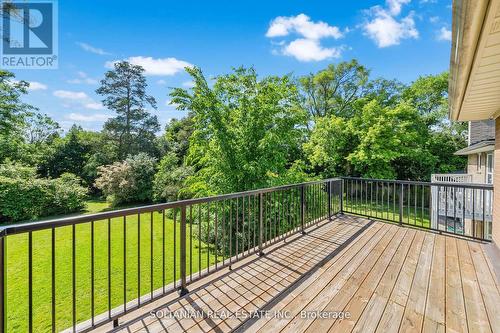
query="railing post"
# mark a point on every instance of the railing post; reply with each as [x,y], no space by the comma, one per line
[302,208]
[341,196]
[261,223]
[3,322]
[329,200]
[183,289]
[401,199]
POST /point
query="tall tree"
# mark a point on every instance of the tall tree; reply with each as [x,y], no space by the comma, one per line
[12,109]
[246,130]
[333,91]
[176,137]
[13,113]
[124,91]
[40,129]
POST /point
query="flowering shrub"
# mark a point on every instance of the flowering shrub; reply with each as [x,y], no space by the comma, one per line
[128,181]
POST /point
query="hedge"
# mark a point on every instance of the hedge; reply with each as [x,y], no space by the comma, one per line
[30,198]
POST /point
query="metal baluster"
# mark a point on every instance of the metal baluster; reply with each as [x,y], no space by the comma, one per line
[249,213]
[237,228]
[208,237]
[409,202]
[415,210]
[199,240]
[423,209]
[163,250]
[438,204]
[183,290]
[124,267]
[175,247]
[73,275]
[401,198]
[92,273]
[224,236]
[30,282]
[484,212]
[261,223]
[151,271]
[473,213]
[190,243]
[464,203]
[302,208]
[109,268]
[139,259]
[53,280]
[3,283]
[230,232]
[216,231]
[454,210]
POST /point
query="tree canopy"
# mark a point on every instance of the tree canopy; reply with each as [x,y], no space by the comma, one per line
[240,132]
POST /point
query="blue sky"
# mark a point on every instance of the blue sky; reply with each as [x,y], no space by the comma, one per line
[400,39]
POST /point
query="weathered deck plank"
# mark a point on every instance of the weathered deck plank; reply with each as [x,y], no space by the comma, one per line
[387,278]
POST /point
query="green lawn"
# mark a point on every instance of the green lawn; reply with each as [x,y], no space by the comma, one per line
[412,216]
[17,268]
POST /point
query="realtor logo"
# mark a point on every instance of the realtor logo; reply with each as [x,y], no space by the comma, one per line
[29,35]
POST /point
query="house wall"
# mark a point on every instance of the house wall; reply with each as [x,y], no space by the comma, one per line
[478,173]
[481,130]
[496,184]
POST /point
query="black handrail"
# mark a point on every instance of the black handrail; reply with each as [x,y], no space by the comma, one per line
[454,208]
[227,227]
[215,232]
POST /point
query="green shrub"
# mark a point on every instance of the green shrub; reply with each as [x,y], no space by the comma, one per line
[13,170]
[26,198]
[128,181]
[169,179]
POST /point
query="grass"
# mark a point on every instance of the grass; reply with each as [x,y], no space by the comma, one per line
[418,217]
[17,267]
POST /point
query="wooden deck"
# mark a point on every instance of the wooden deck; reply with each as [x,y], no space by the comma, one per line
[381,277]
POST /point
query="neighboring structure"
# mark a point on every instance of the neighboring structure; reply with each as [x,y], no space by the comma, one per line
[480,151]
[474,91]
[460,206]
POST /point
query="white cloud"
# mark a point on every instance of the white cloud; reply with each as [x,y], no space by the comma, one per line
[72,95]
[385,30]
[310,50]
[308,46]
[171,104]
[92,49]
[78,98]
[159,66]
[444,34]
[83,78]
[91,117]
[188,84]
[161,82]
[395,6]
[434,19]
[93,106]
[302,25]
[34,85]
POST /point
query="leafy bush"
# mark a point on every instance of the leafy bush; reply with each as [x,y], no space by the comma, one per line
[128,181]
[25,197]
[14,170]
[169,180]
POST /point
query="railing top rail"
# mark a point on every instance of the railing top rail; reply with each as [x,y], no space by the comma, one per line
[411,182]
[66,221]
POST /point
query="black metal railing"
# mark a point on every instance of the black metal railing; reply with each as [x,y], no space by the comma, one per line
[81,272]
[457,208]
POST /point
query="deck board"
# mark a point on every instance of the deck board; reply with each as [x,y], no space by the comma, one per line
[386,277]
